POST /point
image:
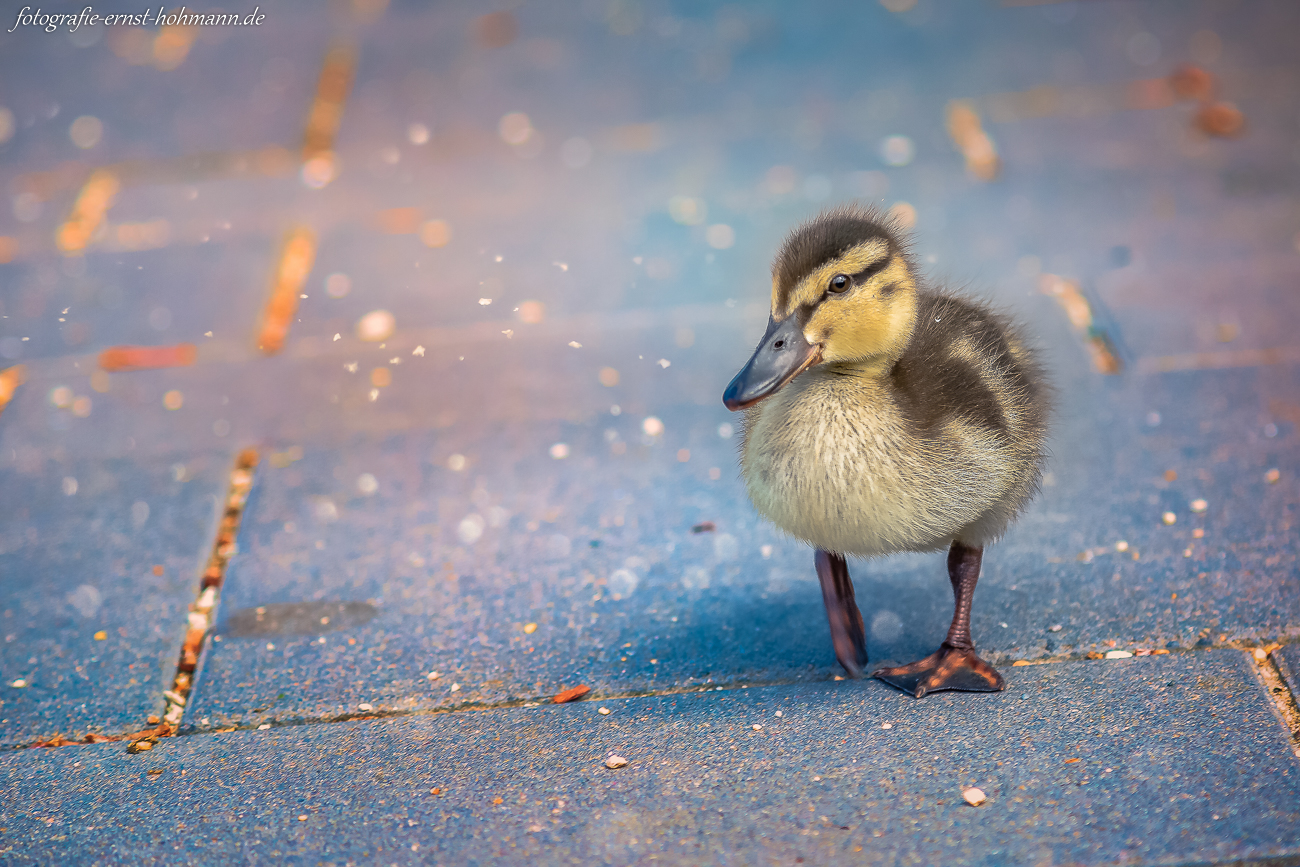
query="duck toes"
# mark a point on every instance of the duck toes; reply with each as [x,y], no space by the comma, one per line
[881,416]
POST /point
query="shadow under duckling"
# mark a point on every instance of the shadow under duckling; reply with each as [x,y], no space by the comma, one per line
[881,417]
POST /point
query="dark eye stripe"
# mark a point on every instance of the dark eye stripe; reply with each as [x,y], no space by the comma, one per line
[870,270]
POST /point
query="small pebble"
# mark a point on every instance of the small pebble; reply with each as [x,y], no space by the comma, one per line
[778,713]
[19,683]
[604,711]
[974,796]
[614,762]
[1272,476]
[1169,517]
[886,725]
[433,675]
[302,817]
[1118,654]
[1055,627]
[263,727]
[455,687]
[364,706]
[1121,546]
[756,727]
[1222,119]
[1199,506]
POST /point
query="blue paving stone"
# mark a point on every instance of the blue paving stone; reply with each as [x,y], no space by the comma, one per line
[152,115]
[110,299]
[1159,760]
[73,565]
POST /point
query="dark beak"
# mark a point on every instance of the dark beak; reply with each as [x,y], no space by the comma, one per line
[782,354]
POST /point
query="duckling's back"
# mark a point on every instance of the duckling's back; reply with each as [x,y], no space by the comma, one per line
[968,374]
[946,444]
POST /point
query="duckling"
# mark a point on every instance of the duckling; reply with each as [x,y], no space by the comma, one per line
[882,416]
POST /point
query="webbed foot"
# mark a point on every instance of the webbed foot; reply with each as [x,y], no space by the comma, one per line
[947,668]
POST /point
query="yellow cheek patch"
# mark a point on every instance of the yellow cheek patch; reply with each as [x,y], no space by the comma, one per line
[867,322]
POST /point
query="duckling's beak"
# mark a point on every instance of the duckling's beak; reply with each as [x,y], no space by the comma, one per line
[782,354]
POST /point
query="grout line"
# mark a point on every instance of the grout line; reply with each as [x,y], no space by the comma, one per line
[597,696]
[199,620]
[326,111]
[320,164]
[1101,349]
[224,549]
[10,379]
[293,267]
[1219,360]
[1284,703]
[117,359]
[88,213]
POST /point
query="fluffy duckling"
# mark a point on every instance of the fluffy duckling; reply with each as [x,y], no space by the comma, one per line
[882,416]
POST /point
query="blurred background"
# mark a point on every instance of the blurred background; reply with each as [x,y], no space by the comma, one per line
[472,278]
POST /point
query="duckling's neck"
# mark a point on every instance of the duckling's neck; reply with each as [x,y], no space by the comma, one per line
[873,367]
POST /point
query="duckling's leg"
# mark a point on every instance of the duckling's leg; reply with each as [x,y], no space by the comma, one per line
[846,620]
[955,664]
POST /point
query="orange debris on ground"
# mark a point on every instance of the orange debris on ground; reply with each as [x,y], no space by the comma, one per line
[119,358]
[399,221]
[161,731]
[10,379]
[88,213]
[297,256]
[571,694]
[1148,93]
[190,650]
[975,145]
[1192,82]
[1222,119]
[495,30]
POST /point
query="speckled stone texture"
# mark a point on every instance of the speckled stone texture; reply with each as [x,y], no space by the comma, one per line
[1162,760]
[89,634]
[550,437]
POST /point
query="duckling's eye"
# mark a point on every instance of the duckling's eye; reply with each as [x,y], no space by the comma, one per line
[840,283]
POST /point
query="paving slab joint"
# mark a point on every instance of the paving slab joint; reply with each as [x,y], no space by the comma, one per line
[203,610]
[1265,661]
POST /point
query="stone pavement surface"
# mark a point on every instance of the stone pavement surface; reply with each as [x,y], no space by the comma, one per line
[471,281]
[847,772]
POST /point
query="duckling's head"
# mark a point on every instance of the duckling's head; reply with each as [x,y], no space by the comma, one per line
[842,292]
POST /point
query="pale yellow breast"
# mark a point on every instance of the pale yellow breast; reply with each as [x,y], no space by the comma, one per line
[829,460]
